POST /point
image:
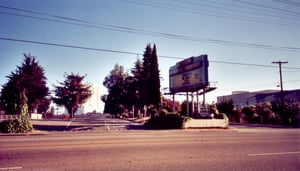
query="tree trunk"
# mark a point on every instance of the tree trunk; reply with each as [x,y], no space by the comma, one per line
[72,113]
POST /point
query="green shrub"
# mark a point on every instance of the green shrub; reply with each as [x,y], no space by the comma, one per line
[16,125]
[220,116]
[163,112]
[166,121]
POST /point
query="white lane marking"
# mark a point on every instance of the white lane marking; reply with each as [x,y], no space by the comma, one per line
[272,154]
[69,124]
[11,168]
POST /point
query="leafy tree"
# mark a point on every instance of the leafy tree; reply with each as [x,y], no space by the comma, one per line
[72,92]
[226,106]
[137,84]
[115,83]
[289,113]
[139,89]
[117,77]
[137,70]
[26,88]
[250,114]
[264,110]
[293,109]
[167,104]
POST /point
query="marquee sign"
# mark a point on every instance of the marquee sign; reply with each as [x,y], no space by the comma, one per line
[189,75]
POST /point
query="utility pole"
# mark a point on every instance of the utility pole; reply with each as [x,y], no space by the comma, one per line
[281,87]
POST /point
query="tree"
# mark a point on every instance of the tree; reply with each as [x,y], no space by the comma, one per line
[250,113]
[151,80]
[287,114]
[136,84]
[264,110]
[146,76]
[226,106]
[137,70]
[154,79]
[115,83]
[167,104]
[139,89]
[72,92]
[26,88]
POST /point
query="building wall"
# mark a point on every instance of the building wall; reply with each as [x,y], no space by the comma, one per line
[93,104]
[244,98]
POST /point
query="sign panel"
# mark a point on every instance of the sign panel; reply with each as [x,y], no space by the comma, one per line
[204,111]
[189,75]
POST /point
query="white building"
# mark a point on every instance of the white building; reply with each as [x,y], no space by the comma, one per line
[244,98]
[93,104]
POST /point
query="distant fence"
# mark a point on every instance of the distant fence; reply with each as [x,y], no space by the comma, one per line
[8,117]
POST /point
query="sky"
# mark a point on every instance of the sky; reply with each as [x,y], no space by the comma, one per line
[241,38]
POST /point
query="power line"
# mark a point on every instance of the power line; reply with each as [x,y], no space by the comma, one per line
[192,10]
[90,24]
[239,8]
[66,46]
[288,2]
[268,7]
[252,9]
[127,52]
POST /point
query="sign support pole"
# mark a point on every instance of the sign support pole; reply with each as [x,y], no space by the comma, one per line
[192,103]
[173,103]
[198,109]
[203,96]
[187,104]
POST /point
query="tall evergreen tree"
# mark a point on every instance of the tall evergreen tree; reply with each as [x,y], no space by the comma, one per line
[155,79]
[27,82]
[150,78]
[145,99]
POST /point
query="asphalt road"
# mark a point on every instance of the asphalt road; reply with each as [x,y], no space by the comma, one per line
[83,123]
[238,148]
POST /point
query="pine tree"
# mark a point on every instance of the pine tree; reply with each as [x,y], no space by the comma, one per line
[27,82]
[145,90]
[150,78]
[155,79]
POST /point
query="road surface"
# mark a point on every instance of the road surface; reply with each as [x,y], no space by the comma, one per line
[84,123]
[238,148]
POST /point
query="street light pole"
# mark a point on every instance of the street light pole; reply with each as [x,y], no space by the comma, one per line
[281,87]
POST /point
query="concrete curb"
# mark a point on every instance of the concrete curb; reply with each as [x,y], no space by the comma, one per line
[35,132]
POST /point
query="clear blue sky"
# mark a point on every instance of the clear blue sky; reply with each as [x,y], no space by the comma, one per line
[230,31]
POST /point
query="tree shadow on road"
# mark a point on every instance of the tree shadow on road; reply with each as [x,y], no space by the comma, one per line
[51,128]
[137,127]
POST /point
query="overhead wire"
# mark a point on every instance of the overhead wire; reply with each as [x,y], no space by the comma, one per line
[288,2]
[192,10]
[130,53]
[237,8]
[268,7]
[253,9]
[90,24]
